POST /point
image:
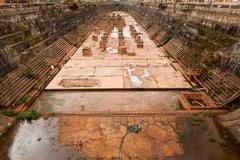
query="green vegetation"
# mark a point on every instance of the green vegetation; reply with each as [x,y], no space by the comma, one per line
[50,8]
[197,120]
[23,99]
[179,132]
[191,61]
[218,37]
[212,139]
[22,115]
[38,84]
[9,113]
[174,31]
[47,75]
[222,143]
[202,126]
[215,39]
[204,51]
[194,57]
[209,59]
[168,37]
[53,114]
[149,25]
[192,122]
[225,136]
[27,37]
[27,73]
[198,117]
[28,115]
[211,114]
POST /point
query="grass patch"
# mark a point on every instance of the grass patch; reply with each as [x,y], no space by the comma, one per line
[22,115]
[27,73]
[53,114]
[218,37]
[38,84]
[28,115]
[211,114]
[9,113]
[179,132]
[192,60]
[23,99]
[222,143]
[212,139]
[198,117]
[197,120]
[225,136]
[192,122]
[202,126]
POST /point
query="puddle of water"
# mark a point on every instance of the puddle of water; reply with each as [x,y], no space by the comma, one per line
[145,73]
[111,50]
[38,140]
[136,82]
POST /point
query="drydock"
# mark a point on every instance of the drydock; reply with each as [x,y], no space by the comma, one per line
[121,63]
[117,95]
[105,80]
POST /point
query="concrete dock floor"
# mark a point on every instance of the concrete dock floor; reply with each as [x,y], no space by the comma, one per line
[150,68]
[107,101]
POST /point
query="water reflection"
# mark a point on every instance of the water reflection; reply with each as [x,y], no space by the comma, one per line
[38,140]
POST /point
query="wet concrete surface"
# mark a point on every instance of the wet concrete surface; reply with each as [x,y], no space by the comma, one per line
[37,140]
[5,123]
[91,137]
[106,101]
[206,140]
